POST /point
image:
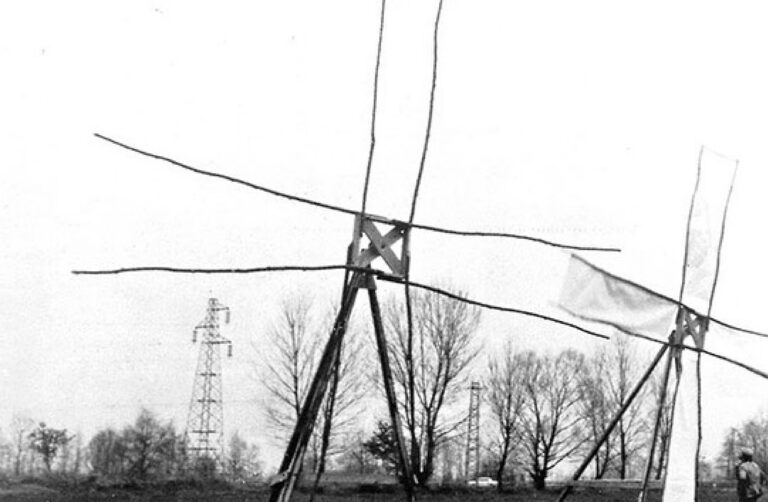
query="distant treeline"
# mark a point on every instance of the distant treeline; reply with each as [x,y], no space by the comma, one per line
[146,450]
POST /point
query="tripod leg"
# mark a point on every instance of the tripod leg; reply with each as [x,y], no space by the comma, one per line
[624,407]
[282,486]
[330,404]
[389,388]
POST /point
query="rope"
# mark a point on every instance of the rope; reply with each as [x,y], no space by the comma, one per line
[332,207]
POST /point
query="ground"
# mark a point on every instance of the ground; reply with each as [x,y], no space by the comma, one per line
[32,492]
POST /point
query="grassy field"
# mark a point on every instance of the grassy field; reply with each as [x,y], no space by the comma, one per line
[36,492]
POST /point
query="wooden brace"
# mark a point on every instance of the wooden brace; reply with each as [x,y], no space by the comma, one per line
[380,245]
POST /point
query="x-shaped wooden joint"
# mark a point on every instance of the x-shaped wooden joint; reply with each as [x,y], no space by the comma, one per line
[690,323]
[380,245]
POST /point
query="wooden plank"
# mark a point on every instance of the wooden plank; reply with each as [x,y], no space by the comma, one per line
[382,246]
[389,388]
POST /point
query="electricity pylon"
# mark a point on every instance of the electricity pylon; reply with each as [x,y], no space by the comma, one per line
[205,422]
[472,457]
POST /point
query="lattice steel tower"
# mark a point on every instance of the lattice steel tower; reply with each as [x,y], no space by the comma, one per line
[205,423]
[472,458]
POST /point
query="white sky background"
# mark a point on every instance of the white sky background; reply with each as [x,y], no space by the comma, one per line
[574,121]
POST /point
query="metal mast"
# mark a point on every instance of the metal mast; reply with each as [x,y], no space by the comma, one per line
[472,457]
[205,422]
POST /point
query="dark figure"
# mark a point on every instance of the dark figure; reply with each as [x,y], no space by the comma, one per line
[749,478]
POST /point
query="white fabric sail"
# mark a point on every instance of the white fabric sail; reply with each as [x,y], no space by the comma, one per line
[702,255]
[595,295]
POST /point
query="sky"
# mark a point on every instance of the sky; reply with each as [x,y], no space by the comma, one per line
[579,122]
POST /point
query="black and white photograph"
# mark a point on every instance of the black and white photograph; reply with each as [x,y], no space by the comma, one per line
[383,250]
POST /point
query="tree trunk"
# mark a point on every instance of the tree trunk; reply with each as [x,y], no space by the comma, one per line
[539,480]
[502,466]
[623,454]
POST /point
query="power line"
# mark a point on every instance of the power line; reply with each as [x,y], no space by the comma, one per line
[331,207]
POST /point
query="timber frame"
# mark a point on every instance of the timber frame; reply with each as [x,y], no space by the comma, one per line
[687,324]
[378,246]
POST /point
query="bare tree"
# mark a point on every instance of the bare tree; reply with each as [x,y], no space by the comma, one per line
[290,359]
[48,442]
[242,460]
[431,372]
[550,426]
[6,454]
[624,370]
[596,409]
[605,385]
[665,424]
[357,458]
[295,346]
[149,445]
[20,428]
[505,397]
[107,453]
[77,464]
[726,460]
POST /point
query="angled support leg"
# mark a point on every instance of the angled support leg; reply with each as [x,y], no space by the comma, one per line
[327,422]
[624,407]
[282,486]
[389,388]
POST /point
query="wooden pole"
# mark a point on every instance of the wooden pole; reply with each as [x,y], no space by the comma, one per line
[612,425]
[389,389]
[282,486]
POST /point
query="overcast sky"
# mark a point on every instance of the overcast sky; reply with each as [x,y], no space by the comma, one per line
[574,121]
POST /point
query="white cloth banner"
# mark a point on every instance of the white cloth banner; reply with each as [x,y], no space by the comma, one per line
[715,179]
[592,294]
[680,483]
[713,188]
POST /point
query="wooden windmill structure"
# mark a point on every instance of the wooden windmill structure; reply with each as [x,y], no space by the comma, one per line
[376,242]
[593,294]
[385,243]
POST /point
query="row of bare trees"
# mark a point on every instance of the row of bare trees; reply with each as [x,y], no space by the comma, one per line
[145,450]
[429,375]
[546,409]
[550,408]
[30,448]
[150,450]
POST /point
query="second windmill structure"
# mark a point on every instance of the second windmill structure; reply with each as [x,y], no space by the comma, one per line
[592,294]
